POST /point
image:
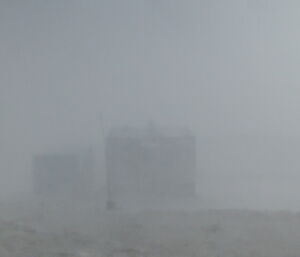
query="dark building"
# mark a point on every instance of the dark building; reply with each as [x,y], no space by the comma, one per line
[63,175]
[150,166]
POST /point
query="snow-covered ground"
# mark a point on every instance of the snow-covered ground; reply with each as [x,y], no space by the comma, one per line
[206,233]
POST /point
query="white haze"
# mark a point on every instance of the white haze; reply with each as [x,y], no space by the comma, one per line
[226,69]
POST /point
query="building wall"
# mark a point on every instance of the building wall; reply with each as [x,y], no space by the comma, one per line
[62,175]
[150,168]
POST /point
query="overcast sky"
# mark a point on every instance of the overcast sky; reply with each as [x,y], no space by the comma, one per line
[218,67]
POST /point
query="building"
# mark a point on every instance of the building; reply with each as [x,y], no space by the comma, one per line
[63,175]
[150,167]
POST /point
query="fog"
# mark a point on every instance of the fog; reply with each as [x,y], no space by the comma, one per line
[149,128]
[72,70]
